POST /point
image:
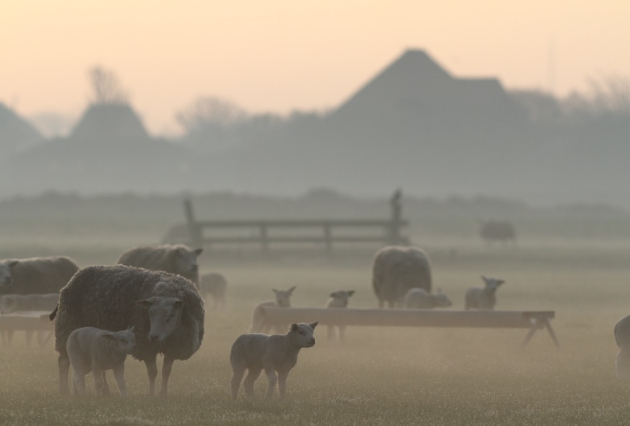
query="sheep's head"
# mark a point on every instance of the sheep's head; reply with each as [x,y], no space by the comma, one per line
[492,284]
[6,277]
[341,297]
[165,315]
[186,260]
[124,341]
[442,301]
[301,335]
[283,297]
[7,304]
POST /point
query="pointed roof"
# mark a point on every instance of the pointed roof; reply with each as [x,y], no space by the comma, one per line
[110,122]
[15,132]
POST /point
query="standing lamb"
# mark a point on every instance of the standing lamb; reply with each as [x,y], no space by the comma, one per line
[274,354]
[39,275]
[622,337]
[175,259]
[283,300]
[165,310]
[338,299]
[483,297]
[214,285]
[96,350]
[397,269]
[417,298]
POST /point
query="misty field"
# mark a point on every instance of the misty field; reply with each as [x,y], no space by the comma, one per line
[380,376]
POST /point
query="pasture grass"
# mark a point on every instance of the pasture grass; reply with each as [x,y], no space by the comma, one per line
[380,376]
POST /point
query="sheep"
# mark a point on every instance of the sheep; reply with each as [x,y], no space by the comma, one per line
[39,275]
[395,270]
[502,232]
[338,299]
[483,297]
[215,285]
[622,337]
[165,309]
[10,303]
[274,354]
[283,300]
[417,298]
[96,350]
[177,259]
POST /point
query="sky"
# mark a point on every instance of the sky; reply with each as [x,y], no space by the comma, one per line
[281,55]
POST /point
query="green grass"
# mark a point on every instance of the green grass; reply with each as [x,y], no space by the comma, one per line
[380,376]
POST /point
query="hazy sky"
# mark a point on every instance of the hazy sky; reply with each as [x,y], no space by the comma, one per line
[277,55]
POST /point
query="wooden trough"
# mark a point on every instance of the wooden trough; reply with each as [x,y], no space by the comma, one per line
[531,320]
[28,321]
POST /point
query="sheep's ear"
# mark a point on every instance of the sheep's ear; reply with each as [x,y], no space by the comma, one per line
[145,303]
[179,304]
[275,291]
[499,282]
[484,278]
[131,328]
[294,327]
[13,263]
[350,293]
[198,251]
[333,294]
[314,324]
[291,290]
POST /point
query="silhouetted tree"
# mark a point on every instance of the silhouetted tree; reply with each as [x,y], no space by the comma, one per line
[106,87]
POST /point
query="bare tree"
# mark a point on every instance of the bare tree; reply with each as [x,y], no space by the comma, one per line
[106,87]
[210,111]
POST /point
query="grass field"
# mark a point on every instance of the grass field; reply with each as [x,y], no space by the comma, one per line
[381,375]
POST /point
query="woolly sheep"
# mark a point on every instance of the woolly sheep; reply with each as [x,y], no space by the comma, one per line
[274,354]
[39,275]
[283,300]
[483,297]
[176,259]
[10,303]
[166,311]
[417,298]
[397,269]
[622,337]
[215,285]
[338,299]
[96,350]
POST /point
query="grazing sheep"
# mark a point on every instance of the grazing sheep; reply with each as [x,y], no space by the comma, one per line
[39,275]
[166,311]
[283,300]
[483,297]
[10,303]
[274,354]
[176,259]
[214,285]
[622,337]
[417,298]
[96,350]
[397,269]
[338,299]
[502,232]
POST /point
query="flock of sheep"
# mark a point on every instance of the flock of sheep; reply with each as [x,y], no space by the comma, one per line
[150,303]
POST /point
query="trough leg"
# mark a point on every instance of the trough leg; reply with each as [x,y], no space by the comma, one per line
[29,337]
[551,332]
[331,333]
[167,367]
[531,332]
[152,372]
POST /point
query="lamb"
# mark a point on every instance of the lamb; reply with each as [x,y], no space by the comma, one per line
[397,269]
[177,259]
[283,300]
[215,285]
[622,337]
[166,311]
[10,303]
[274,354]
[96,350]
[338,299]
[483,297]
[39,275]
[417,298]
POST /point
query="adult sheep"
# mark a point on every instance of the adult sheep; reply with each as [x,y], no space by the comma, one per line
[397,269]
[166,311]
[38,275]
[177,259]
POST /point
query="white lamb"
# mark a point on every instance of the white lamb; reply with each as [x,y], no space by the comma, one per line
[622,337]
[96,350]
[338,299]
[274,354]
[283,300]
[418,298]
[483,297]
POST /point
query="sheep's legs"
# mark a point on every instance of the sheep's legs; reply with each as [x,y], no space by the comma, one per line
[119,373]
[237,376]
[98,381]
[152,372]
[282,383]
[106,390]
[272,380]
[64,367]
[78,383]
[167,367]
[252,376]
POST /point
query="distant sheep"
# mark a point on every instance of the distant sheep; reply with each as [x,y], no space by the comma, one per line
[165,310]
[214,285]
[10,303]
[622,337]
[38,275]
[175,259]
[417,298]
[502,232]
[283,300]
[96,350]
[483,297]
[274,354]
[397,269]
[338,299]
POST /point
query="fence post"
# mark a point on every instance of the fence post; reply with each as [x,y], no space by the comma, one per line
[396,219]
[194,230]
